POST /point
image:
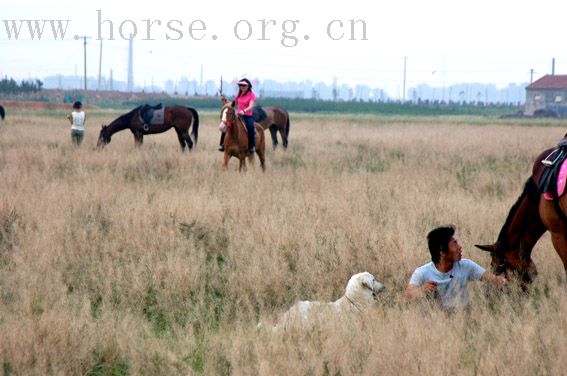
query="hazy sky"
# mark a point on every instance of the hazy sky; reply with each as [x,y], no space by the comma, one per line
[444,41]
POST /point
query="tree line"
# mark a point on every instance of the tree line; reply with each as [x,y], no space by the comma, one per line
[11,86]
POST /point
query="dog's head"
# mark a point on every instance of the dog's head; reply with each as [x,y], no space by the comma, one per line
[363,289]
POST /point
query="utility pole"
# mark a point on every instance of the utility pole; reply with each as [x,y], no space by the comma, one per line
[85,62]
[404,86]
[531,76]
[99,66]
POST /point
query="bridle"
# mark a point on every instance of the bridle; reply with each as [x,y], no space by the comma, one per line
[229,123]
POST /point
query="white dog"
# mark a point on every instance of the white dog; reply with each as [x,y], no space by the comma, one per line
[360,296]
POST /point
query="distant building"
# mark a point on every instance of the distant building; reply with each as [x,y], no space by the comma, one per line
[547,96]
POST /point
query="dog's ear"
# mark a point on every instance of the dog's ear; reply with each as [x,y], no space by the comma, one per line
[368,282]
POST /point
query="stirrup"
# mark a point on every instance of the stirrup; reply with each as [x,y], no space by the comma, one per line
[548,162]
[146,127]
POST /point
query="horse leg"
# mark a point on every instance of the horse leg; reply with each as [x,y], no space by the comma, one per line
[225,162]
[559,240]
[261,156]
[138,138]
[556,226]
[188,141]
[184,134]
[274,134]
[284,138]
[242,165]
[181,139]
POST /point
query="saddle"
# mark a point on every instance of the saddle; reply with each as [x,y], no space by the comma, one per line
[151,115]
[259,114]
[554,177]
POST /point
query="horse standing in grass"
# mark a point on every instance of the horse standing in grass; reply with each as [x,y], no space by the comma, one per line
[276,119]
[236,139]
[180,118]
[2,113]
[536,211]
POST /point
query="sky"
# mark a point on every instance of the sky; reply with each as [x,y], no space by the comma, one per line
[436,42]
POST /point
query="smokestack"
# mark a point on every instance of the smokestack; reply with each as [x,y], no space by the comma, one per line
[131,64]
[553,67]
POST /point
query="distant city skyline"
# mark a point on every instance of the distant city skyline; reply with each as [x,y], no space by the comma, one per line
[461,92]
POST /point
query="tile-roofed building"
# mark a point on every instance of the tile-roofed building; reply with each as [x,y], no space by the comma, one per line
[547,95]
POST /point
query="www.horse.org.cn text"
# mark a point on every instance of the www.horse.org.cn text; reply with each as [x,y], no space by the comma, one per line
[286,32]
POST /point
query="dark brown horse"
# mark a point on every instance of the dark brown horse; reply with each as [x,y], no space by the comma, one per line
[236,139]
[179,117]
[276,119]
[2,112]
[529,218]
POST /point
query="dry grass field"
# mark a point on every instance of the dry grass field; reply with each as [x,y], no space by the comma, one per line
[148,261]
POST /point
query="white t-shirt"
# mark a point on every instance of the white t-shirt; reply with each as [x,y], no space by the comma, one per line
[451,286]
[78,120]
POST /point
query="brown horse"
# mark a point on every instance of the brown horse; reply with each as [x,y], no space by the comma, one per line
[276,119]
[179,117]
[236,139]
[529,218]
[2,112]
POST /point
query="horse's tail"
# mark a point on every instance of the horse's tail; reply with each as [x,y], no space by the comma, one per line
[195,129]
[287,127]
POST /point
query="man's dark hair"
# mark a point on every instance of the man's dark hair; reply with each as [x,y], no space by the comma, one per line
[438,241]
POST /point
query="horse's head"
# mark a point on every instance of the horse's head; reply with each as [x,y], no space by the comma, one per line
[510,262]
[103,137]
[227,116]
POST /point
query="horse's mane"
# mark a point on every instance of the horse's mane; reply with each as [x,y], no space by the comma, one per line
[226,105]
[128,116]
[530,192]
[259,113]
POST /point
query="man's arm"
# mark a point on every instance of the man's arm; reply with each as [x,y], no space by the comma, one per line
[414,291]
[494,279]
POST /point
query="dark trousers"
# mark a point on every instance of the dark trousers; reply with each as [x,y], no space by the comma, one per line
[249,121]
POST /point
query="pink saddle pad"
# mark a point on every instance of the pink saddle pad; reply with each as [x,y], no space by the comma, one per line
[561,179]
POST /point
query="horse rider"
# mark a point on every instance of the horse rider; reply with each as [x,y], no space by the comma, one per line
[245,100]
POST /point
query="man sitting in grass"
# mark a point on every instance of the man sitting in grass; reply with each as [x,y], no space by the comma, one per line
[446,277]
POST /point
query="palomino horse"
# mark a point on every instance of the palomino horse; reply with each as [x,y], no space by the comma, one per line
[276,119]
[529,218]
[2,112]
[236,139]
[179,117]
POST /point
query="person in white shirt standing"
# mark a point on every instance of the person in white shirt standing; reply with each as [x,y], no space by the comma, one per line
[77,120]
[445,278]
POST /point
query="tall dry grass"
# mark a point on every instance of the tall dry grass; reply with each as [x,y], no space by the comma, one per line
[148,261]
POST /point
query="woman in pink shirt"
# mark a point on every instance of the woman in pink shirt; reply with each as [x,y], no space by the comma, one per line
[245,100]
